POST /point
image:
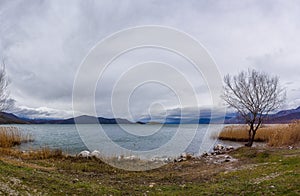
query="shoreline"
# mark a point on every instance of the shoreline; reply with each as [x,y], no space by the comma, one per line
[250,170]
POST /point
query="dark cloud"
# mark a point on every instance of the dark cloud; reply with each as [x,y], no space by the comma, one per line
[44,42]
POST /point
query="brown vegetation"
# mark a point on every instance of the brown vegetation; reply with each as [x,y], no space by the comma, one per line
[12,136]
[38,154]
[289,135]
[274,135]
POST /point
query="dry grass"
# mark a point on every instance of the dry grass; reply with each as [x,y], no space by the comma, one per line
[38,154]
[290,135]
[43,153]
[12,136]
[274,135]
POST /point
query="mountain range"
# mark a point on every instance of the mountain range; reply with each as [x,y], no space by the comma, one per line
[281,117]
[284,116]
[8,118]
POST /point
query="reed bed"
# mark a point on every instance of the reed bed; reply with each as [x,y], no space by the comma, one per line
[274,135]
[12,136]
[289,135]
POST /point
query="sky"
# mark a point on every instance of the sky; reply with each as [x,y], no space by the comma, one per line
[43,44]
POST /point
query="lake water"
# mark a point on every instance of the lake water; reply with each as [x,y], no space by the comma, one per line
[113,139]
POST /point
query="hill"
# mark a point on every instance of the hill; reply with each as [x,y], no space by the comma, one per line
[281,117]
[8,118]
[284,116]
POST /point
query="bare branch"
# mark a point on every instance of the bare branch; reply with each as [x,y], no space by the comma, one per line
[253,94]
[4,95]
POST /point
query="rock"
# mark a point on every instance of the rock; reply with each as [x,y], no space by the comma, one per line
[218,147]
[167,160]
[205,154]
[218,158]
[132,157]
[84,154]
[189,156]
[183,155]
[162,159]
[178,160]
[151,184]
[75,180]
[96,154]
[120,157]
[229,148]
[219,152]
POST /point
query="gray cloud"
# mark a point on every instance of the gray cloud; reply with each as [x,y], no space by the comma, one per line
[41,112]
[44,42]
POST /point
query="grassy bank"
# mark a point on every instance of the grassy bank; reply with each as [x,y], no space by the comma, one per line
[274,135]
[257,171]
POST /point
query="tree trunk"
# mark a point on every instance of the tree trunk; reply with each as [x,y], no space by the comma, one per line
[251,136]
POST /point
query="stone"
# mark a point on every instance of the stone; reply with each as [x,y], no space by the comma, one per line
[229,148]
[132,157]
[120,157]
[84,154]
[96,154]
[219,147]
[183,155]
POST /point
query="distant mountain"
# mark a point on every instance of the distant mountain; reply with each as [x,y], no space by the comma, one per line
[8,118]
[284,116]
[91,120]
[203,118]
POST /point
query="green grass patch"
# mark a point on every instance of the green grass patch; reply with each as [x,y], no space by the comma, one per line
[258,172]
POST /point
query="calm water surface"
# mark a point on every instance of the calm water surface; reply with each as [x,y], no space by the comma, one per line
[137,138]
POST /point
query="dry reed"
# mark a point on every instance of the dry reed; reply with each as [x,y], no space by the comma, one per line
[274,135]
[290,135]
[12,136]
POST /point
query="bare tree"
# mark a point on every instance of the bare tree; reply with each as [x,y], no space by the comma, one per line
[5,102]
[253,94]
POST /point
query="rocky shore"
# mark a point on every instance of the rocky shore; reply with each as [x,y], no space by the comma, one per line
[218,155]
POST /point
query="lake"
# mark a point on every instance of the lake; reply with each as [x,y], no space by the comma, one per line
[127,139]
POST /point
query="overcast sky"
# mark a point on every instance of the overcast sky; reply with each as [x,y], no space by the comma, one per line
[43,43]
